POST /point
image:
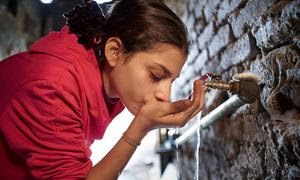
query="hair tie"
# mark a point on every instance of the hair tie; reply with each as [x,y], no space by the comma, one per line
[97,40]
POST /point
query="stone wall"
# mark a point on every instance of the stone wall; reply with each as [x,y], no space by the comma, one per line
[25,21]
[260,140]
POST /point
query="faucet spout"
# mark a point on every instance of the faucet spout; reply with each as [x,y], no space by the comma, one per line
[232,86]
[244,85]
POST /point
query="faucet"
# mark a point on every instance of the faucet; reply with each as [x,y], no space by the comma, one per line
[243,84]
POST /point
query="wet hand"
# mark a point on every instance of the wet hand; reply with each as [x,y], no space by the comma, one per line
[176,114]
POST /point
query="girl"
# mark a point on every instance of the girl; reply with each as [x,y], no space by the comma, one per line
[61,94]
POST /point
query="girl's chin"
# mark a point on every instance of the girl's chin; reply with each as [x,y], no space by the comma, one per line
[134,109]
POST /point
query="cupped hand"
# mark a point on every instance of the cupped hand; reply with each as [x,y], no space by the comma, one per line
[175,114]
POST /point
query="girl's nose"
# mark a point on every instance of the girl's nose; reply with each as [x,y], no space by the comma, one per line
[163,92]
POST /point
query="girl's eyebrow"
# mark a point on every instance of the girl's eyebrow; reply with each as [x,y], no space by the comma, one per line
[166,71]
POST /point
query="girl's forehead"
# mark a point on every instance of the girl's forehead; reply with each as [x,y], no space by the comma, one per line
[163,47]
[165,56]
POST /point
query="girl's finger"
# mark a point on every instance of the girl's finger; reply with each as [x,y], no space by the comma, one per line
[200,95]
[175,107]
[183,116]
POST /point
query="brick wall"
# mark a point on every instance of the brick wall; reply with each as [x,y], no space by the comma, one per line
[20,25]
[25,21]
[260,140]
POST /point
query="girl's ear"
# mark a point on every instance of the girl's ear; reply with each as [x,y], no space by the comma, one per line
[113,51]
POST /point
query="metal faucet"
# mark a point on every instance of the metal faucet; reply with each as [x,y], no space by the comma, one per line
[215,82]
[244,85]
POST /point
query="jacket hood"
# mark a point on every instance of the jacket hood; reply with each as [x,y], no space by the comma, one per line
[63,45]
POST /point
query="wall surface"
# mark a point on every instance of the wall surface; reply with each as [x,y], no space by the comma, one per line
[260,140]
[25,21]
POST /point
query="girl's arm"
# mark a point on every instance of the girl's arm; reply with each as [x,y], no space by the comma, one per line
[151,116]
[113,163]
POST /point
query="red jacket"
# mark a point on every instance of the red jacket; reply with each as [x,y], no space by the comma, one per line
[52,107]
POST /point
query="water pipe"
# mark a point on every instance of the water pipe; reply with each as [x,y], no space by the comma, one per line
[244,88]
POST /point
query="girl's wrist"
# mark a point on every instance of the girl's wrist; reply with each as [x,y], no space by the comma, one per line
[129,141]
[135,132]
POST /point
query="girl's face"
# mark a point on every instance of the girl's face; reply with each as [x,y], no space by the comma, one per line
[146,76]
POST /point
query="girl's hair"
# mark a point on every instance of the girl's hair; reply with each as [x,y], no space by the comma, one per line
[140,25]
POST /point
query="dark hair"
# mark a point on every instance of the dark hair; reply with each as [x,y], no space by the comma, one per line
[140,24]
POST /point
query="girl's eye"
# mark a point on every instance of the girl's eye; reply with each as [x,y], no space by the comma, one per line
[155,77]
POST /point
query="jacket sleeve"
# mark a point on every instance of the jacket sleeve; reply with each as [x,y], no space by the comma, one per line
[43,124]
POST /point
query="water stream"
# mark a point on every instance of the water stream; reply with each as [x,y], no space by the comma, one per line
[177,157]
[196,177]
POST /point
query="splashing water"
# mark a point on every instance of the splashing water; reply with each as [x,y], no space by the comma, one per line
[196,177]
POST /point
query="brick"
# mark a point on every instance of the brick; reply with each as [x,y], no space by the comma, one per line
[226,8]
[277,8]
[177,91]
[206,36]
[243,49]
[213,65]
[179,82]
[190,22]
[237,3]
[193,36]
[291,12]
[12,41]
[294,75]
[189,72]
[191,5]
[179,7]
[296,41]
[269,35]
[281,86]
[238,24]
[201,60]
[184,16]
[223,11]
[200,25]
[278,30]
[181,88]
[186,89]
[198,9]
[248,15]
[211,9]
[193,54]
[220,40]
[258,67]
